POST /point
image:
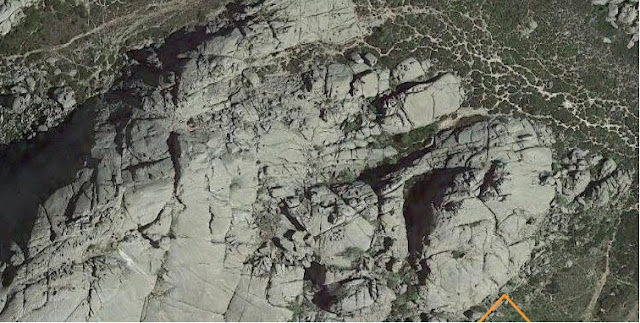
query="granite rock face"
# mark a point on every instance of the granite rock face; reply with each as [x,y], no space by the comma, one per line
[202,188]
[472,212]
[421,104]
[11,13]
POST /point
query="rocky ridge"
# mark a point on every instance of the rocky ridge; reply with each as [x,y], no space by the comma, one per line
[206,189]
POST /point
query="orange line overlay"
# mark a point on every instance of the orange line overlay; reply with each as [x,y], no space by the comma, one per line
[502,298]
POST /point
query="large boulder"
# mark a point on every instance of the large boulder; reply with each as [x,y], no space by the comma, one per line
[422,104]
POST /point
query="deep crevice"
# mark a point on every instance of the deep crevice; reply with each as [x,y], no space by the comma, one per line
[175,151]
[422,199]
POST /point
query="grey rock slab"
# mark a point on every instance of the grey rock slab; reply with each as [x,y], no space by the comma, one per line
[370,59]
[338,80]
[407,71]
[422,104]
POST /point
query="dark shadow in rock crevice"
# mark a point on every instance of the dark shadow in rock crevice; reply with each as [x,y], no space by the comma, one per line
[32,170]
[326,295]
[424,194]
[316,274]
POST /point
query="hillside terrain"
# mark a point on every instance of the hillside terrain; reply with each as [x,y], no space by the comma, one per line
[318,160]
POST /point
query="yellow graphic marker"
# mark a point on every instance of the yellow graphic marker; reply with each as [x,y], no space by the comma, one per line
[493,307]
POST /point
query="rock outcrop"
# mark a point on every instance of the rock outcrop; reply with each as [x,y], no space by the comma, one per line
[622,14]
[586,180]
[201,187]
[12,13]
[474,208]
[419,104]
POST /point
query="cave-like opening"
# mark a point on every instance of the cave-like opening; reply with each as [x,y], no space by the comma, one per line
[423,197]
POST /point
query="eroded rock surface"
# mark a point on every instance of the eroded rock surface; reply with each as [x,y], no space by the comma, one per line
[473,211]
[421,104]
[208,189]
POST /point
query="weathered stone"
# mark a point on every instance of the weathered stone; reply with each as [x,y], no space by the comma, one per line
[65,97]
[197,190]
[338,82]
[407,71]
[285,285]
[476,221]
[355,57]
[422,104]
[370,59]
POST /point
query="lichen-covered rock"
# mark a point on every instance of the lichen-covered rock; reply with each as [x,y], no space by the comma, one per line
[364,297]
[586,180]
[407,71]
[65,97]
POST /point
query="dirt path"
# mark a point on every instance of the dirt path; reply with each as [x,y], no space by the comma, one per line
[588,312]
[591,307]
[135,17]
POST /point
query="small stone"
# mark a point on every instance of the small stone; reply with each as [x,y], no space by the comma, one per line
[528,28]
[17,256]
[427,64]
[286,245]
[568,263]
[19,104]
[18,90]
[252,77]
[356,58]
[31,83]
[298,237]
[396,266]
[370,59]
